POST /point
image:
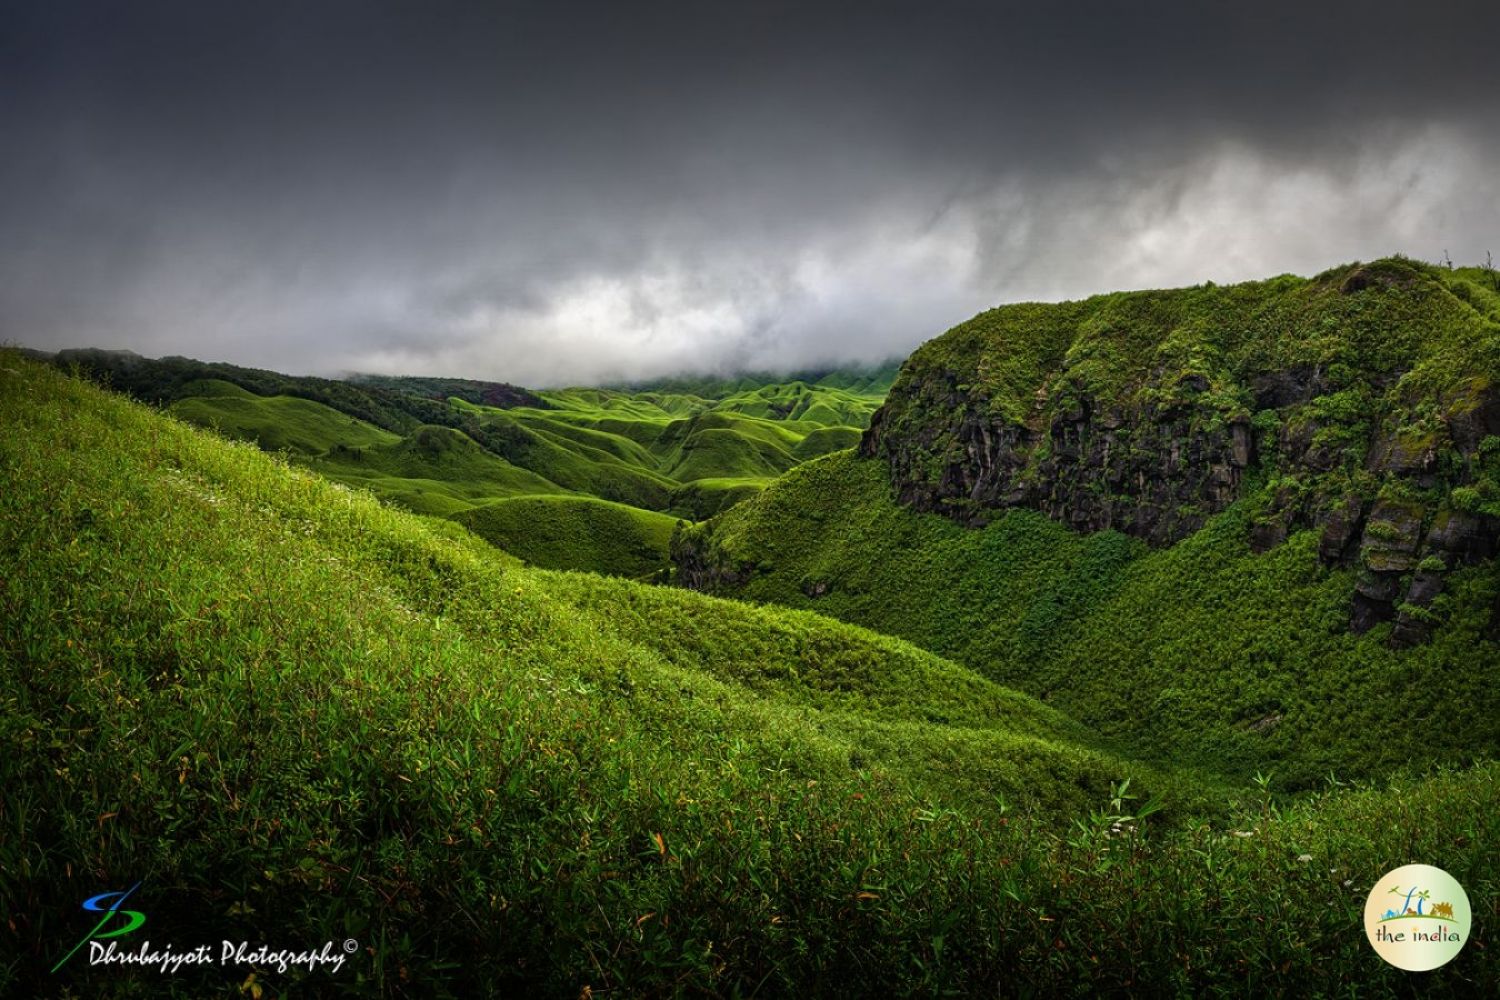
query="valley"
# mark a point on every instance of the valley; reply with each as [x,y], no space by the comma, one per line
[622,464]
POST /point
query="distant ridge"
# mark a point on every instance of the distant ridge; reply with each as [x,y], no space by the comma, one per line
[584,458]
[498,394]
[874,378]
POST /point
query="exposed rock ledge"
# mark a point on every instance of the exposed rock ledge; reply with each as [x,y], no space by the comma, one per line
[1383,500]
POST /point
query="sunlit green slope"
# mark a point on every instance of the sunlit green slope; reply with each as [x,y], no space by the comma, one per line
[444,446]
[566,532]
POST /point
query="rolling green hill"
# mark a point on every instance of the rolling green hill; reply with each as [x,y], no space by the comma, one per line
[276,422]
[566,532]
[432,469]
[276,703]
[448,446]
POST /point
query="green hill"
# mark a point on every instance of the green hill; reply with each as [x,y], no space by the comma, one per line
[825,441]
[1206,652]
[432,469]
[861,380]
[703,498]
[277,704]
[276,422]
[1248,528]
[444,446]
[571,532]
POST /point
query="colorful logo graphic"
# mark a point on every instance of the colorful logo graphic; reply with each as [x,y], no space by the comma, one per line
[97,904]
[1417,917]
[169,958]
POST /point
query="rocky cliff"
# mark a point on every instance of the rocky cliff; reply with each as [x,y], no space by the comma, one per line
[1361,404]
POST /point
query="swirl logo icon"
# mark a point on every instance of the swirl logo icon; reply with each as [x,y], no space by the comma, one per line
[1417,917]
[107,903]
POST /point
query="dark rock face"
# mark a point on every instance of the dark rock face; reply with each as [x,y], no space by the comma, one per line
[1158,474]
[1392,536]
[1340,526]
[1274,390]
[697,571]
[1161,467]
[1404,552]
[1461,537]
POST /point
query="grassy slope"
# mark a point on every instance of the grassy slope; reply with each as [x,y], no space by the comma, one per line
[276,422]
[1177,652]
[703,498]
[431,470]
[287,708]
[658,452]
[568,532]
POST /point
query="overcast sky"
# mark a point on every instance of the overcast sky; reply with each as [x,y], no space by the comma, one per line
[551,193]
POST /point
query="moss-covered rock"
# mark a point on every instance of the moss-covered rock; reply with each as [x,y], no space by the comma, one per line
[1355,402]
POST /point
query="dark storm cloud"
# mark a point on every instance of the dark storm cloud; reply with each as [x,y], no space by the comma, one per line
[563,192]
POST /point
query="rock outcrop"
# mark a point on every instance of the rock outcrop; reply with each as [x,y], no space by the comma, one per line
[1157,472]
[696,569]
[1388,459]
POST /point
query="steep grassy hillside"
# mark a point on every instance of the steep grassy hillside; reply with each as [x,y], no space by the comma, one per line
[1205,652]
[1246,527]
[445,446]
[1362,403]
[293,714]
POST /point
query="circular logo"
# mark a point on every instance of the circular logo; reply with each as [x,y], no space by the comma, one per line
[1417,917]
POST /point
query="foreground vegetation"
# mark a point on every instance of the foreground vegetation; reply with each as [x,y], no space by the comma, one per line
[297,715]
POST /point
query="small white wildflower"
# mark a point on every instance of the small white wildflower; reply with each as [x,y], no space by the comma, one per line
[1244,833]
[1304,858]
[1348,882]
